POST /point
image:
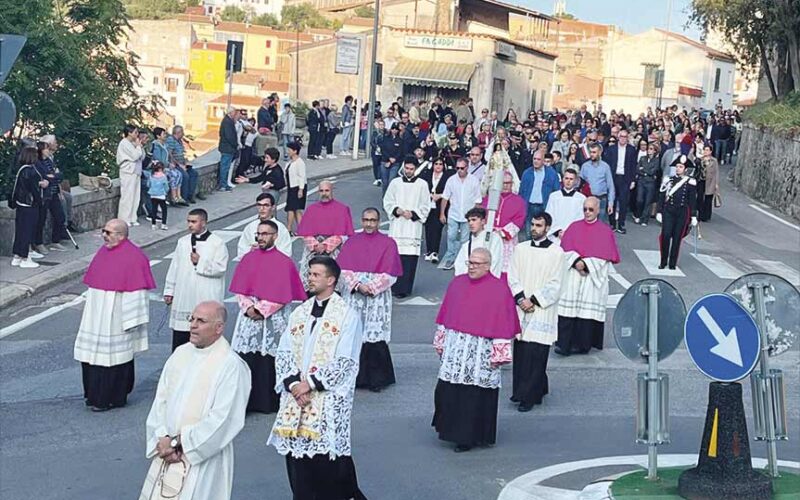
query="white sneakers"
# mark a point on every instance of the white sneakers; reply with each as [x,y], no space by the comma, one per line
[33,254]
[28,263]
[331,157]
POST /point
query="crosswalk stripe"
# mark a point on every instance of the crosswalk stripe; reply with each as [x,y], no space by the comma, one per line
[613,300]
[416,301]
[650,259]
[780,269]
[719,266]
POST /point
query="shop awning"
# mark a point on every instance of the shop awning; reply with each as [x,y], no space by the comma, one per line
[432,73]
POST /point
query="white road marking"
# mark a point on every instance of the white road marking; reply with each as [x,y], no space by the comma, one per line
[25,323]
[624,283]
[773,216]
[528,486]
[613,300]
[719,266]
[416,301]
[781,269]
[650,260]
[155,262]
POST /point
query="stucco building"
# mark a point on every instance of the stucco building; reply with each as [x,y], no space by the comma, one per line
[428,48]
[695,75]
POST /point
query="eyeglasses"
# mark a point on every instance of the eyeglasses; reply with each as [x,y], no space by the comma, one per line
[461,168]
[271,233]
[472,263]
[107,232]
[364,219]
[588,209]
[265,205]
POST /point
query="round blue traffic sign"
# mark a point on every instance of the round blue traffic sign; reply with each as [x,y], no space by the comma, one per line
[722,338]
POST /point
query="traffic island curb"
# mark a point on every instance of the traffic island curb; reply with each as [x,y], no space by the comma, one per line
[12,293]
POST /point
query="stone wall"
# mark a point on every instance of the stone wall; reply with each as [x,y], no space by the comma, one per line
[768,169]
[91,209]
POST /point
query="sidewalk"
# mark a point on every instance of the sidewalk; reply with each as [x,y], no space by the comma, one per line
[56,267]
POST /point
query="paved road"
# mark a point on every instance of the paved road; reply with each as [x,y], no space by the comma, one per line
[54,448]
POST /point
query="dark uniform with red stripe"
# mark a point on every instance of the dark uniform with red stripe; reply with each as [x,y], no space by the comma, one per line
[679,206]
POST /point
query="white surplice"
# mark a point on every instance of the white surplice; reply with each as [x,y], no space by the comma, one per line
[585,297]
[189,284]
[495,247]
[202,395]
[467,359]
[338,377]
[376,310]
[414,197]
[113,327]
[536,273]
[564,208]
[247,241]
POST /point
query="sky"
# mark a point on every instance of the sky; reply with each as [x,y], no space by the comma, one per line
[630,15]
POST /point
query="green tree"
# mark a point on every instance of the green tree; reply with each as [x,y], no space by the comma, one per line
[764,33]
[266,20]
[74,79]
[233,14]
[303,16]
[567,16]
[157,9]
[365,11]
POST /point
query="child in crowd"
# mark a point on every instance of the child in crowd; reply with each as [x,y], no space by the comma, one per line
[158,187]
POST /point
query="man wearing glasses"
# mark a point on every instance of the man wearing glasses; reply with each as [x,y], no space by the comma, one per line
[590,249]
[198,410]
[265,281]
[370,265]
[265,204]
[114,323]
[475,325]
[461,193]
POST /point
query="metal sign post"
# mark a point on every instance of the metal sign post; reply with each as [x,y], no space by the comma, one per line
[648,328]
[775,305]
[230,75]
[653,393]
[757,288]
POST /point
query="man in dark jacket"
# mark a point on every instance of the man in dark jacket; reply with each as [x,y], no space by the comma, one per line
[228,147]
[621,158]
[411,140]
[264,117]
[314,121]
[391,154]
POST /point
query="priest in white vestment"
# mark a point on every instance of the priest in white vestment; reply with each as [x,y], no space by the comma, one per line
[265,203]
[407,203]
[534,276]
[196,274]
[476,221]
[316,368]
[265,283]
[509,218]
[326,225]
[198,410]
[590,249]
[565,206]
[370,266]
[114,322]
[475,325]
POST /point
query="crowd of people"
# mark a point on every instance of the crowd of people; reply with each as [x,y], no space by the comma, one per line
[532,210]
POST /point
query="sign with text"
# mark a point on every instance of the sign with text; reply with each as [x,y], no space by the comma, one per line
[505,50]
[348,55]
[438,42]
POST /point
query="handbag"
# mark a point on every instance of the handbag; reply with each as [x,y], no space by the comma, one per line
[94,183]
[717,200]
[170,480]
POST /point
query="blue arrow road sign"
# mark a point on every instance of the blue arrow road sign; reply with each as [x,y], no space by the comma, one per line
[722,338]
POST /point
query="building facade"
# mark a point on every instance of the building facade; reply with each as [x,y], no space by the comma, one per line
[695,75]
[477,60]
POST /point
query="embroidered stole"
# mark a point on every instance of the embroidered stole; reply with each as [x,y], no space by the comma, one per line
[292,420]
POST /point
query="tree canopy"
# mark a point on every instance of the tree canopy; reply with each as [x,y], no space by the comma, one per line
[157,9]
[302,16]
[73,79]
[765,34]
[365,11]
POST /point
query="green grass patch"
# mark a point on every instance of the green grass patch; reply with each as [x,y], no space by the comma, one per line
[635,486]
[782,116]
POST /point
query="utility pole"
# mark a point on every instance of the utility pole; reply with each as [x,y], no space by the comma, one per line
[372,78]
[664,56]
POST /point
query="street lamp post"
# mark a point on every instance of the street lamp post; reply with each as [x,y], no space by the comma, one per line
[372,78]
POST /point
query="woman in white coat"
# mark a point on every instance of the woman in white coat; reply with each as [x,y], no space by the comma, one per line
[130,154]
